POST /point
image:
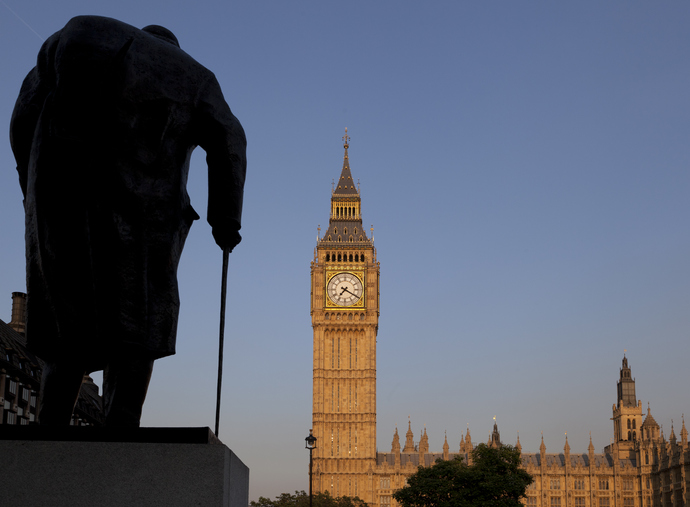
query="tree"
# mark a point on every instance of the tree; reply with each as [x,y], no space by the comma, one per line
[494,479]
[301,499]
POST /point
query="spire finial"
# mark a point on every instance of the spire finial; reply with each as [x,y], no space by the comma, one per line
[346,140]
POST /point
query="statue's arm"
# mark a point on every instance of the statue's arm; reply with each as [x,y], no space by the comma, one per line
[27,109]
[223,139]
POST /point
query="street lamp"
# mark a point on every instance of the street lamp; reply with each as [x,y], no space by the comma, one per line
[311,445]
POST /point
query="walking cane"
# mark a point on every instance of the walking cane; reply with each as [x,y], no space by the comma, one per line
[223,291]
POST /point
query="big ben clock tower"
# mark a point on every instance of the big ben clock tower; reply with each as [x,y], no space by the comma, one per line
[345,316]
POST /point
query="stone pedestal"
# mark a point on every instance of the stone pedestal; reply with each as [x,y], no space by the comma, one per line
[119,467]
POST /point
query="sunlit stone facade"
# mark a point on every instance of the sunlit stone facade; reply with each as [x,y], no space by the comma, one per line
[639,469]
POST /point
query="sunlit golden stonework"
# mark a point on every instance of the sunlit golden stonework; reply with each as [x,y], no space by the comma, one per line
[345,318]
[640,468]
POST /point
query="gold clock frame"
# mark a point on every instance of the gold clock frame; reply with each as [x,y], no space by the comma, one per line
[330,305]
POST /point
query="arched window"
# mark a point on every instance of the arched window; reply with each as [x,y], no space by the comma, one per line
[339,258]
[628,423]
[352,239]
[361,238]
[634,436]
[356,257]
[634,423]
[629,436]
[328,257]
[345,230]
[335,230]
[350,261]
[329,237]
[362,258]
[340,239]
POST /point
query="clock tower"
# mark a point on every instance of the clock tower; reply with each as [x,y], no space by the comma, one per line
[345,317]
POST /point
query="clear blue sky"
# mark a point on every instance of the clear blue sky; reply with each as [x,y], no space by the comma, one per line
[526,168]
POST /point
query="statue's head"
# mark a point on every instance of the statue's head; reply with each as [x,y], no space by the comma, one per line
[162,33]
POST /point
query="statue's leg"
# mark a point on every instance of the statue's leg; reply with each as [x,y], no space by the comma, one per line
[60,385]
[125,382]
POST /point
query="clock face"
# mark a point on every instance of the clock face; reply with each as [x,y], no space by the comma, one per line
[344,289]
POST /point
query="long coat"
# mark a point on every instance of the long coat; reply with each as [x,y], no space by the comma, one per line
[103,131]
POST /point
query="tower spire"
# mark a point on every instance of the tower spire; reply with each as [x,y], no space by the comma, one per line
[346,185]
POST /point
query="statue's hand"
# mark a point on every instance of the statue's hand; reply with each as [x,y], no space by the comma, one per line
[226,238]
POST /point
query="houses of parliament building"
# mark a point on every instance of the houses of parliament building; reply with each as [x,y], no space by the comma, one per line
[641,467]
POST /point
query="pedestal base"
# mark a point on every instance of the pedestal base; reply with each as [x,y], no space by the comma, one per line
[112,467]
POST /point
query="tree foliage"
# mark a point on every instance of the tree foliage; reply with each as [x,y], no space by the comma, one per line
[301,499]
[494,479]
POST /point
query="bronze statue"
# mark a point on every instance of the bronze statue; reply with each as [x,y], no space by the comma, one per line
[102,132]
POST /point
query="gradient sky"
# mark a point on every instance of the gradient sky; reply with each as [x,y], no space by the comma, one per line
[525,165]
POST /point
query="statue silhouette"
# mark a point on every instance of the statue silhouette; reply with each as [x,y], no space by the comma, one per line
[102,132]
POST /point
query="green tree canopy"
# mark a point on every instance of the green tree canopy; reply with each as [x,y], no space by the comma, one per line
[494,479]
[301,499]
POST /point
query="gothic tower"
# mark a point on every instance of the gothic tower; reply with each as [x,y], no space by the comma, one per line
[627,413]
[345,316]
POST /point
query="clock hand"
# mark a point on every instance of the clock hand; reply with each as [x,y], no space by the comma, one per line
[345,290]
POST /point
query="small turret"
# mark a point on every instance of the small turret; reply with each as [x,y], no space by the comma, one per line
[395,446]
[566,448]
[424,443]
[649,429]
[495,437]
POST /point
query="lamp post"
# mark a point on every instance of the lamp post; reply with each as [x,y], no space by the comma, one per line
[311,445]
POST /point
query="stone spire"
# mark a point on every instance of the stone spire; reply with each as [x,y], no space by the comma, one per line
[591,446]
[672,436]
[495,437]
[395,446]
[409,438]
[446,448]
[684,434]
[424,443]
[566,447]
[468,441]
[462,444]
[518,446]
[542,447]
